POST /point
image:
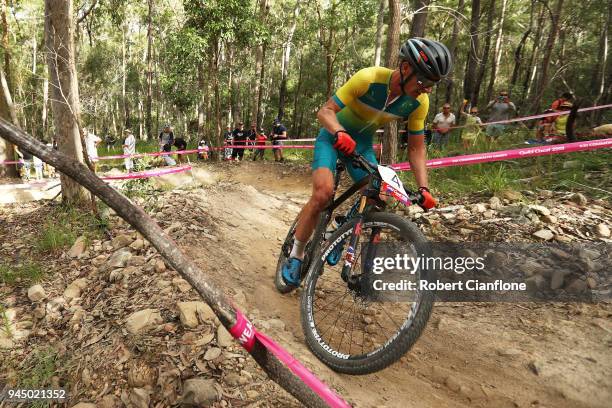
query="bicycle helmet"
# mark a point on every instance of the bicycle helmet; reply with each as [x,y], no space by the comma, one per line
[431,59]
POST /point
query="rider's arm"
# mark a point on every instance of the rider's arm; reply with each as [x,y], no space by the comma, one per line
[417,156]
[327,116]
[416,141]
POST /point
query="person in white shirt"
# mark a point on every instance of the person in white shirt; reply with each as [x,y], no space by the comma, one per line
[442,124]
[91,143]
[38,167]
[129,147]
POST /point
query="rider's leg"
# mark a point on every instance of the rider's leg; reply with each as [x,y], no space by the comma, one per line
[322,192]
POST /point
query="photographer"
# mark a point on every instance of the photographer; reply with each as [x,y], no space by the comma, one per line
[501,109]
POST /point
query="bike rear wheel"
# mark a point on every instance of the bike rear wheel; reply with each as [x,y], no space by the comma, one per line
[350,331]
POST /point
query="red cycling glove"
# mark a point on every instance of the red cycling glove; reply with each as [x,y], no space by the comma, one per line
[428,201]
[344,142]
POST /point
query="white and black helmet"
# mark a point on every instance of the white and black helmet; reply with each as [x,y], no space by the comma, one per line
[429,58]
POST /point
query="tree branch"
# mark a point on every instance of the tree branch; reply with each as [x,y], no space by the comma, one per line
[86,12]
[150,230]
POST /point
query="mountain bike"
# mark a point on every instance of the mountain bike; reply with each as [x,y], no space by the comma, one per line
[347,326]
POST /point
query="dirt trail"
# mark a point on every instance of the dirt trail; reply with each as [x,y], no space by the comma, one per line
[477,355]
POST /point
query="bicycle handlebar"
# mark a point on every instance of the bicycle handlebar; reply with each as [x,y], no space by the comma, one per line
[372,168]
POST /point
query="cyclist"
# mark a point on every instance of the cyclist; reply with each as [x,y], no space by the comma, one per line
[369,99]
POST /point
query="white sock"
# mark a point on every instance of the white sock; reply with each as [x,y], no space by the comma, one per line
[298,249]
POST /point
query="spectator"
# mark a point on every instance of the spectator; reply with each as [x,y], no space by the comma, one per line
[565,97]
[260,141]
[240,136]
[442,124]
[180,144]
[166,140]
[38,167]
[110,142]
[129,147]
[251,136]
[26,158]
[228,139]
[279,133]
[473,123]
[91,143]
[501,109]
[561,120]
[203,149]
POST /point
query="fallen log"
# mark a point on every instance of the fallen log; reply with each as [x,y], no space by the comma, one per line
[135,216]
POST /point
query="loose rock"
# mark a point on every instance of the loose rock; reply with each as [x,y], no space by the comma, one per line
[78,247]
[143,320]
[190,312]
[36,293]
[140,398]
[603,231]
[199,392]
[224,338]
[579,199]
[121,241]
[544,234]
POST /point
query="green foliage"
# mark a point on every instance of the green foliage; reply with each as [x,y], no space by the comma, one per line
[25,274]
[55,237]
[63,225]
[36,371]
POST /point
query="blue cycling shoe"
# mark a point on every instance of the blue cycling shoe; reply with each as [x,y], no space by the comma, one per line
[292,272]
[335,255]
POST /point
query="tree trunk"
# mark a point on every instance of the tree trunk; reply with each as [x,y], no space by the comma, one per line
[7,112]
[259,70]
[297,96]
[498,50]
[215,75]
[148,107]
[380,25]
[599,75]
[453,51]
[203,85]
[470,75]
[262,77]
[6,46]
[532,67]
[285,62]
[45,103]
[550,43]
[485,53]
[124,101]
[59,44]
[390,141]
[417,28]
[518,52]
[230,102]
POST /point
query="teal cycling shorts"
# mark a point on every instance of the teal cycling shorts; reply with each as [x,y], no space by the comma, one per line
[326,156]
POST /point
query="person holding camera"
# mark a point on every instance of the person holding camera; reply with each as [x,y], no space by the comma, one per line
[501,109]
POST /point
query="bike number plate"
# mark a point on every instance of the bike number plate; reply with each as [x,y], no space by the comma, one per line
[393,185]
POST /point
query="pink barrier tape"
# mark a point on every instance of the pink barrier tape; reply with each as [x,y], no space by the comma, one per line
[8,162]
[244,331]
[322,390]
[148,173]
[511,154]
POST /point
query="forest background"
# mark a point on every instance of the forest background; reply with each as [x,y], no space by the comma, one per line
[202,65]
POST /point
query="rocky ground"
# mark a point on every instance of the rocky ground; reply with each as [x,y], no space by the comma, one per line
[122,329]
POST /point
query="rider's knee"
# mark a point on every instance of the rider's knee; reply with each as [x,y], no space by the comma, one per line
[321,196]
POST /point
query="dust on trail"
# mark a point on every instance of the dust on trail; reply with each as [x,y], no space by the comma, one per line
[476,355]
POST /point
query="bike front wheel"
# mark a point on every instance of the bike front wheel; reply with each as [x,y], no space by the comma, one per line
[349,327]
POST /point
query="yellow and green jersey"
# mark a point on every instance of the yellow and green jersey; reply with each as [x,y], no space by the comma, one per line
[362,101]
